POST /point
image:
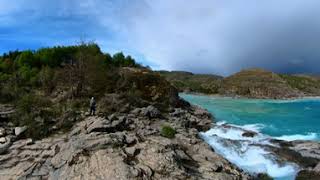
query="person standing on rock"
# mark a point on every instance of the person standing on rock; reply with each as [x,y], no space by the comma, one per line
[92,106]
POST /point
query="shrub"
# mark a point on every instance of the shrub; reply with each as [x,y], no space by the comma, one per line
[46,79]
[150,87]
[168,132]
[26,58]
[37,113]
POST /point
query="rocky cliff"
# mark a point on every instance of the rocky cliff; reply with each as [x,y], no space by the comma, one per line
[142,130]
[120,146]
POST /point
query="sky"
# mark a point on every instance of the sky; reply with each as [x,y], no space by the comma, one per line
[201,36]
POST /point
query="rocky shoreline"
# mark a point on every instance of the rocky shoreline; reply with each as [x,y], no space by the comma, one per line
[246,97]
[301,154]
[121,146]
[131,146]
[306,154]
[248,83]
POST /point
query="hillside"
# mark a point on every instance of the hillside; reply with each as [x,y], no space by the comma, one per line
[252,83]
[257,83]
[310,85]
[142,129]
[52,85]
[189,82]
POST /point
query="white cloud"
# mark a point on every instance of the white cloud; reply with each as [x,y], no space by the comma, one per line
[226,36]
[202,36]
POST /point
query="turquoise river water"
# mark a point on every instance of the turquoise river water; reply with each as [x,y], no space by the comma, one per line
[278,119]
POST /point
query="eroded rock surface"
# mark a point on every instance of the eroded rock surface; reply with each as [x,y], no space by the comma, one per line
[123,146]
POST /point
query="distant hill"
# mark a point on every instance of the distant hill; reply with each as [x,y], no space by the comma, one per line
[252,83]
[258,83]
[310,85]
[189,82]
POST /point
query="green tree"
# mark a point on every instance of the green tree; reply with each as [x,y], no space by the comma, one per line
[118,59]
[26,58]
[46,78]
[129,62]
[108,59]
[27,74]
[48,57]
[6,65]
[37,113]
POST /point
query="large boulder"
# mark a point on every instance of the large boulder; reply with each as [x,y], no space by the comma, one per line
[307,148]
[177,112]
[151,112]
[105,125]
[20,130]
[3,140]
[201,113]
[249,134]
[98,125]
[317,168]
[4,144]
[2,132]
[308,175]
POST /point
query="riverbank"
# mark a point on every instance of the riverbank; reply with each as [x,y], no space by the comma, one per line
[250,98]
[256,153]
[240,134]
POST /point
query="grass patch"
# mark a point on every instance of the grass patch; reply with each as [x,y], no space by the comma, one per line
[168,132]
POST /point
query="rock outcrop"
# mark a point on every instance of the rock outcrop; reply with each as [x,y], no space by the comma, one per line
[20,130]
[122,146]
[304,153]
[300,155]
[5,143]
[6,111]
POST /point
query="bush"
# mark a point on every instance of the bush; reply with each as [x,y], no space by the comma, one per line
[46,79]
[26,58]
[168,132]
[37,113]
[150,86]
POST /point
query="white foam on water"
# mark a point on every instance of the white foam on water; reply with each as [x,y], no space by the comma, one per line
[249,127]
[309,136]
[219,123]
[246,153]
[252,127]
[307,108]
[233,133]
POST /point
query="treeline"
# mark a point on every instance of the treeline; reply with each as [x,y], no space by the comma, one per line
[50,86]
[57,57]
[22,70]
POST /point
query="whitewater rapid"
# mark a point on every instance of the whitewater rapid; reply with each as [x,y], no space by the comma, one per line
[248,152]
[269,120]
